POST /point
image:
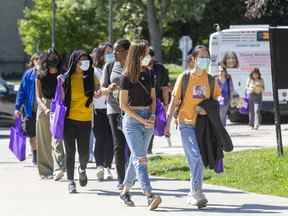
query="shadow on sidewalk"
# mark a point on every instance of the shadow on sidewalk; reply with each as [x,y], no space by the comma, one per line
[219,208]
[4,136]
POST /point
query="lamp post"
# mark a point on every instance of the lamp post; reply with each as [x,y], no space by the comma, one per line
[53,24]
[110,24]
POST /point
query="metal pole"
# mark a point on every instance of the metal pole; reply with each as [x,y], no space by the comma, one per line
[274,67]
[53,24]
[110,27]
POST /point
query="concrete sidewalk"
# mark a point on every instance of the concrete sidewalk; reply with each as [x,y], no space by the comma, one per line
[242,136]
[22,193]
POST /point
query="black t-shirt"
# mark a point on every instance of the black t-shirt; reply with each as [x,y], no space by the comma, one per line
[161,76]
[137,95]
[48,85]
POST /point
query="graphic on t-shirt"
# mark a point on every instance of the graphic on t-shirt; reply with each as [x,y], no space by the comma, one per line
[198,92]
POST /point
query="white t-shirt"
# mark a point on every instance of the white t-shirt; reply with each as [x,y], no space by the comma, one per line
[99,103]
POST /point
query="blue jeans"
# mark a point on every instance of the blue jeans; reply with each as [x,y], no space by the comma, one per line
[193,156]
[138,138]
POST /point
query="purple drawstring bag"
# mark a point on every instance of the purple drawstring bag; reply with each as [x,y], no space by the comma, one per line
[160,119]
[219,166]
[244,109]
[58,112]
[17,143]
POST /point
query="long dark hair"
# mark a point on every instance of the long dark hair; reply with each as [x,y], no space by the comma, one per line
[132,67]
[255,71]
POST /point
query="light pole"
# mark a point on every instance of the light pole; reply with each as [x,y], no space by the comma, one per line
[53,24]
[110,27]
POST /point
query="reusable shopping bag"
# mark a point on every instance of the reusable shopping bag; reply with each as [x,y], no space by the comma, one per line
[160,119]
[58,112]
[17,143]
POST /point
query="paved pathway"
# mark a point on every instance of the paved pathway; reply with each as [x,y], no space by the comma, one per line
[22,193]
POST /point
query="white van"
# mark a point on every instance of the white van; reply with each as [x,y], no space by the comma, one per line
[244,48]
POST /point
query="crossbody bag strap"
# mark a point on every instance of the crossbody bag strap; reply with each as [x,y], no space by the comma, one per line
[145,89]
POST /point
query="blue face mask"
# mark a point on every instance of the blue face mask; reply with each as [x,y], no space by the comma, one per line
[109,58]
[203,63]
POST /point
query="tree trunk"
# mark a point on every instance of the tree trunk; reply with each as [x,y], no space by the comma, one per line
[154,29]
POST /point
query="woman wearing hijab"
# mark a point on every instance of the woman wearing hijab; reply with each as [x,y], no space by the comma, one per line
[78,90]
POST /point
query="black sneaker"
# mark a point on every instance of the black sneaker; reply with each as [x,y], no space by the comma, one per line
[83,180]
[72,187]
[127,199]
[153,201]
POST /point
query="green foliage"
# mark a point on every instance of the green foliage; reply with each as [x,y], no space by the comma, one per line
[259,171]
[174,71]
[79,24]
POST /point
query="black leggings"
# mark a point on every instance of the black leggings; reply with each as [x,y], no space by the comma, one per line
[103,151]
[76,131]
[119,143]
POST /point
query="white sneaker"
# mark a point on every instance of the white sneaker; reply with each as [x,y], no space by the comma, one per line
[108,174]
[198,199]
[100,173]
[58,175]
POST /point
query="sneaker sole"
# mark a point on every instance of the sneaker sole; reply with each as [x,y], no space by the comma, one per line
[202,204]
[155,203]
[59,176]
[109,178]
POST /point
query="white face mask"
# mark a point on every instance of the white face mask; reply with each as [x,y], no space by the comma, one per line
[37,67]
[146,60]
[84,65]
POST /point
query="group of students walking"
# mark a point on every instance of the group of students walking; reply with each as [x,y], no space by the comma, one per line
[112,91]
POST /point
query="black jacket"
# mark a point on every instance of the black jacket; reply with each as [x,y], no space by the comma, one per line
[88,79]
[212,137]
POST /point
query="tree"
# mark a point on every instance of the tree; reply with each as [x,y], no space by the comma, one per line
[274,12]
[79,24]
[155,16]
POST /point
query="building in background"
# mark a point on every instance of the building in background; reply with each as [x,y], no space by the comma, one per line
[12,56]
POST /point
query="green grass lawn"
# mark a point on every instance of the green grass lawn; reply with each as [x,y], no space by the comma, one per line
[259,171]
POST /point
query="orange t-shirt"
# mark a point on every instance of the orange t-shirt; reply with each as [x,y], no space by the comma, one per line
[198,89]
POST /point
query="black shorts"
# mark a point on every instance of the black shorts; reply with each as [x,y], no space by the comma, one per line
[29,125]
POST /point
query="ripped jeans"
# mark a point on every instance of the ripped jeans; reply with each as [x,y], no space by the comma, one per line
[138,138]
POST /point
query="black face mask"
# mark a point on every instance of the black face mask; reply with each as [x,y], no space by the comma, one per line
[53,62]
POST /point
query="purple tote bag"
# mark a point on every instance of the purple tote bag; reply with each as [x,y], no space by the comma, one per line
[17,143]
[245,108]
[160,119]
[58,112]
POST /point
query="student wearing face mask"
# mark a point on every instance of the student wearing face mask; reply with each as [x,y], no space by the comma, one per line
[78,90]
[103,151]
[51,158]
[198,89]
[111,87]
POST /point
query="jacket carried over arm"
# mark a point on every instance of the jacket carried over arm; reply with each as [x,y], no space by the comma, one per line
[212,137]
[26,92]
